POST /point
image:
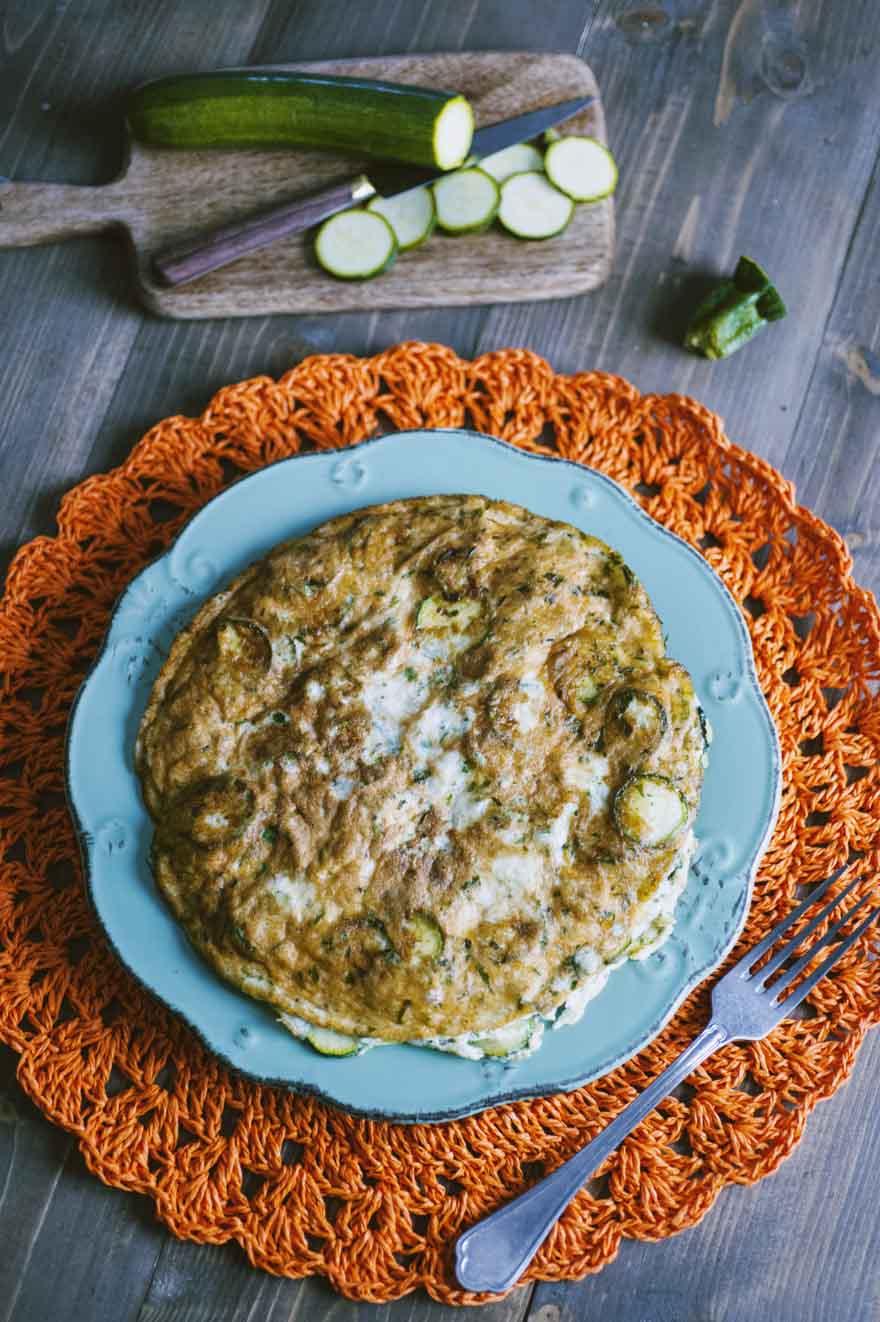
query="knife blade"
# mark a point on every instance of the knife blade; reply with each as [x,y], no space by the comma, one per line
[391,180]
[209,251]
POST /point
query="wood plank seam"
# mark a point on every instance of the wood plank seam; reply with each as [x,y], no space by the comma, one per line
[873,182]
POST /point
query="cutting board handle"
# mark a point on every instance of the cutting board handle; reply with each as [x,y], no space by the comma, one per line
[43,213]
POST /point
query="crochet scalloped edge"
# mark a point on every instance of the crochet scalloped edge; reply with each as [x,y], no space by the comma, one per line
[376,1207]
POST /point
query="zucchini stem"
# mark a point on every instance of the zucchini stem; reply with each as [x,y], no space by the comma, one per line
[734,311]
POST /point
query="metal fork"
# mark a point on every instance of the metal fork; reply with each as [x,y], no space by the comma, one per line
[492,1255]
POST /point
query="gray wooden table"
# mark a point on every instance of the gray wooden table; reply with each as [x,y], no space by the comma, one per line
[739,127]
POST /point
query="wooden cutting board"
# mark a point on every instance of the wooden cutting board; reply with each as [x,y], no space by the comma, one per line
[164,196]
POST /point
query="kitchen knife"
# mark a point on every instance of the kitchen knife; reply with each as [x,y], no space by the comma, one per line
[207,252]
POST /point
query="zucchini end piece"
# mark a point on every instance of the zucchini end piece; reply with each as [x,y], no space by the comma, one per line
[734,311]
[453,133]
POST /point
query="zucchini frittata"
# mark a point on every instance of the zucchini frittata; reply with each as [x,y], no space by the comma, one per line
[425,774]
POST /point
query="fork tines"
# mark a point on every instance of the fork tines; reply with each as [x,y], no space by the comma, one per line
[746,964]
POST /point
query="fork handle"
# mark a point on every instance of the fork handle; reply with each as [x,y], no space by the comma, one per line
[493,1254]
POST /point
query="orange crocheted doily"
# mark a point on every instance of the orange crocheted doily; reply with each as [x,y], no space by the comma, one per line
[304,1188]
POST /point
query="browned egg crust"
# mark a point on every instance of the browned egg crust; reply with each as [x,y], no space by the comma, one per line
[382,767]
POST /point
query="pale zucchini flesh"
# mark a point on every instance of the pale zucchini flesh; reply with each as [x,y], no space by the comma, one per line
[512,160]
[636,718]
[453,133]
[355,245]
[435,613]
[467,201]
[507,1040]
[411,215]
[428,940]
[531,208]
[588,690]
[582,168]
[330,1043]
[649,811]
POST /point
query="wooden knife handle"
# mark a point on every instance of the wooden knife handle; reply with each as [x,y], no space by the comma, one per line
[177,266]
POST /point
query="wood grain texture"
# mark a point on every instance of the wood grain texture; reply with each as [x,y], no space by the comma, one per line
[199,255]
[834,452]
[693,196]
[70,317]
[714,161]
[48,213]
[164,197]
[798,1247]
[185,1287]
[46,1197]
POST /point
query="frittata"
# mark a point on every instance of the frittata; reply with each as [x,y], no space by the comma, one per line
[425,774]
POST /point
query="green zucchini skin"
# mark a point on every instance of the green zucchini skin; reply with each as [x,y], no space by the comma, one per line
[507,1040]
[619,724]
[519,219]
[448,216]
[235,108]
[635,830]
[327,1042]
[327,239]
[734,311]
[394,211]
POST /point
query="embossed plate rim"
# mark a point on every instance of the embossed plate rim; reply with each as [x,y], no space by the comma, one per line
[473,1085]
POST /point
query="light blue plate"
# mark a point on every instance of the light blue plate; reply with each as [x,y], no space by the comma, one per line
[706,632]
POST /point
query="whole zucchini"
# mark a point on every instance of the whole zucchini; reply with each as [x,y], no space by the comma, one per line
[275,108]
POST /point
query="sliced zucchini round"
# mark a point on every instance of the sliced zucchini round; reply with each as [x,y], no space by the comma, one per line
[633,949]
[427,936]
[241,940]
[509,1039]
[467,201]
[637,718]
[648,810]
[512,160]
[587,690]
[244,641]
[531,208]
[330,1043]
[411,215]
[356,245]
[213,810]
[435,613]
[582,168]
